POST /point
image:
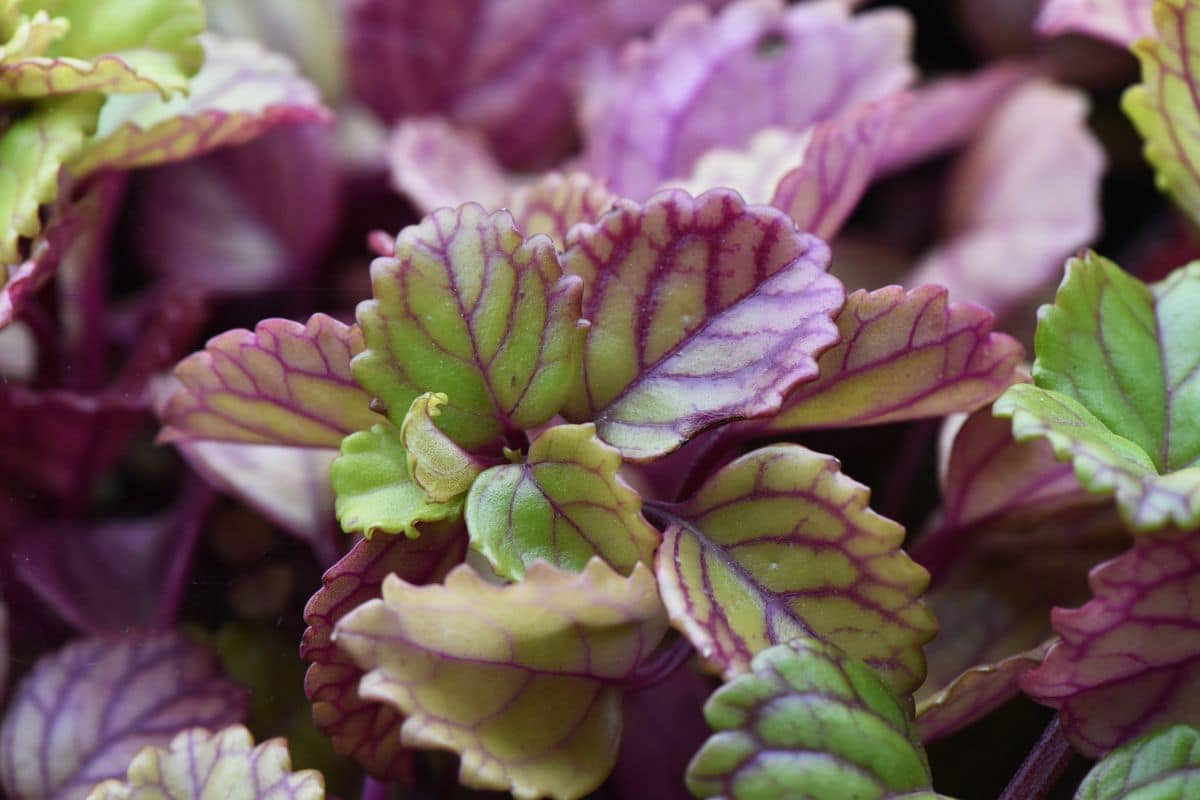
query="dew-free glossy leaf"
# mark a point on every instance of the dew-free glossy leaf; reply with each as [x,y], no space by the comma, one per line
[241,92]
[902,356]
[435,462]
[520,680]
[201,764]
[809,721]
[1117,390]
[86,710]
[1127,661]
[284,383]
[1121,22]
[780,544]
[1163,765]
[366,731]
[375,490]
[703,310]
[470,307]
[564,505]
[1163,106]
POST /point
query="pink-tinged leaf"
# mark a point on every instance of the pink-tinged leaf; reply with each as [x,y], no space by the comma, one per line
[753,170]
[85,711]
[1121,22]
[1023,197]
[20,282]
[436,165]
[552,649]
[199,763]
[366,731]
[780,544]
[284,383]
[555,203]
[903,356]
[669,100]
[1129,660]
[703,311]
[241,92]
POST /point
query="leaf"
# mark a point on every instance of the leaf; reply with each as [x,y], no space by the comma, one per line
[752,170]
[360,729]
[1163,764]
[86,710]
[520,680]
[112,47]
[555,203]
[703,311]
[471,308]
[564,505]
[438,465]
[285,383]
[29,35]
[1127,662]
[809,721]
[780,544]
[1106,334]
[376,492]
[437,164]
[1121,22]
[200,764]
[1163,107]
[903,356]
[666,103]
[241,92]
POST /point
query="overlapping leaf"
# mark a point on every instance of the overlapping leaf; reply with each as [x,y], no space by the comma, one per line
[471,308]
[435,462]
[521,680]
[555,203]
[85,711]
[366,731]
[200,763]
[903,355]
[1121,22]
[437,164]
[780,544]
[1164,764]
[703,311]
[1117,390]
[1127,663]
[564,505]
[285,383]
[808,721]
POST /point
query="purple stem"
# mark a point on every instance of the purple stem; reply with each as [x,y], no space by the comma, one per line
[913,449]
[1042,767]
[654,672]
[375,789]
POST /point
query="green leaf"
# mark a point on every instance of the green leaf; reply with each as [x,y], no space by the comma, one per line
[1164,765]
[375,491]
[27,36]
[438,465]
[808,721]
[108,46]
[1117,389]
[564,505]
[471,308]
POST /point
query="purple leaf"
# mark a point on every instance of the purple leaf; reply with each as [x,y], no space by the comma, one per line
[436,165]
[703,311]
[1023,197]
[365,731]
[789,66]
[1129,660]
[1121,22]
[85,711]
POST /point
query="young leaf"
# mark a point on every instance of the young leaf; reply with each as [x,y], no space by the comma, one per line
[376,492]
[1164,764]
[1121,22]
[902,356]
[1163,106]
[471,308]
[809,721]
[521,680]
[85,711]
[285,383]
[112,47]
[1107,333]
[555,203]
[1127,662]
[368,732]
[435,462]
[564,505]
[241,92]
[200,764]
[703,311]
[780,544]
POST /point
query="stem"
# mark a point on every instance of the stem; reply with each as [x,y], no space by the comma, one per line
[375,789]
[1042,767]
[655,672]
[914,446]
